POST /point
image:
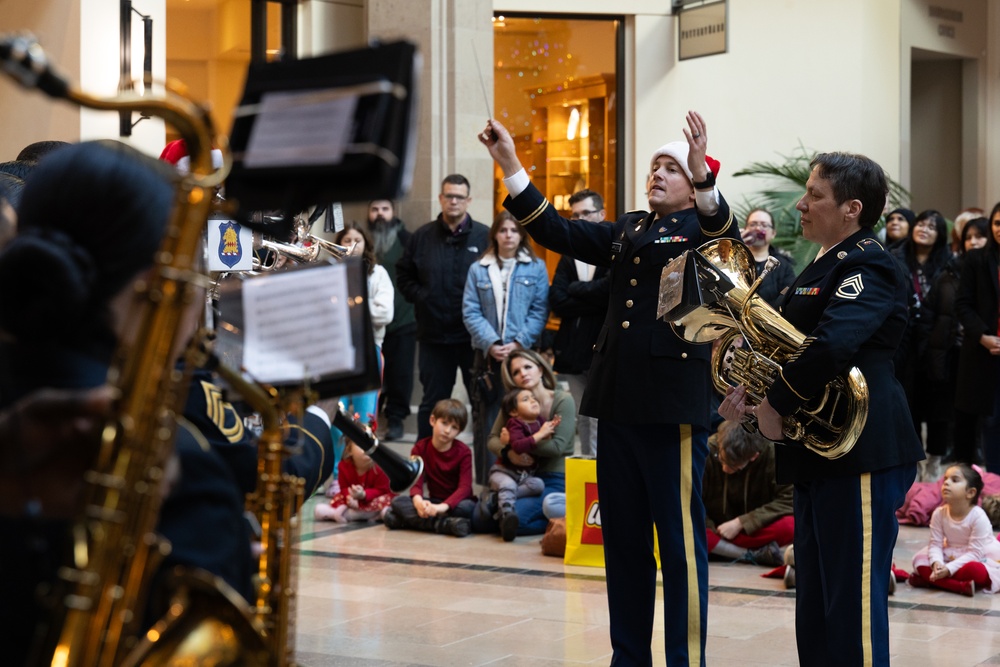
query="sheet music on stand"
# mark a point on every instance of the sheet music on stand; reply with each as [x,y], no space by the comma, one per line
[339,127]
[308,325]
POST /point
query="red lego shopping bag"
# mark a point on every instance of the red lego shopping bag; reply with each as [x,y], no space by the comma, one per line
[584,539]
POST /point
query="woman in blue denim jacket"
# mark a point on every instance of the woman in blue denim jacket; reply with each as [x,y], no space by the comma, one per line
[504,307]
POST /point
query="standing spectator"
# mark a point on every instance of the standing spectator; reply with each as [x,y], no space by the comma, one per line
[758,233]
[748,515]
[963,218]
[579,296]
[924,254]
[380,307]
[431,275]
[979,360]
[504,307]
[944,343]
[389,237]
[897,226]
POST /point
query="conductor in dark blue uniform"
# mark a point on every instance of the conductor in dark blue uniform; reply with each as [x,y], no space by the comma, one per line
[852,304]
[648,388]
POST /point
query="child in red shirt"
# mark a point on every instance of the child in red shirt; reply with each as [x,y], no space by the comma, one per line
[364,493]
[446,505]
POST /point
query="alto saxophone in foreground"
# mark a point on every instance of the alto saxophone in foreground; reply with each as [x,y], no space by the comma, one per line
[103,587]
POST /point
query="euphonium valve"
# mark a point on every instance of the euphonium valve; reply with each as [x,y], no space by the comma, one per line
[753,342]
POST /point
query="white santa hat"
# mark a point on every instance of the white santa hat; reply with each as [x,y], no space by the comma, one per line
[678,150]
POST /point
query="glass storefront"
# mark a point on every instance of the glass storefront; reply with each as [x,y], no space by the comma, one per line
[556,84]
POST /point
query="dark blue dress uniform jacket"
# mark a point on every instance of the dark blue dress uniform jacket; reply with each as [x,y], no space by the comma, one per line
[642,372]
[852,304]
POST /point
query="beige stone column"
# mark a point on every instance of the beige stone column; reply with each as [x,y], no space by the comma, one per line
[452,109]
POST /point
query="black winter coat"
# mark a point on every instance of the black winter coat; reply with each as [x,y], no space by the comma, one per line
[431,274]
[977,309]
[581,306]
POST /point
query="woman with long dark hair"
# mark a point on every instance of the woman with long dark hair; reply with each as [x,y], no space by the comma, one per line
[381,302]
[925,253]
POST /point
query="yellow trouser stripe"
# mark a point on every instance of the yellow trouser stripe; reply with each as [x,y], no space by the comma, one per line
[866,568]
[694,597]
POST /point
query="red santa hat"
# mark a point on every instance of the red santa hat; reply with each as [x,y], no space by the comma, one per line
[176,153]
[678,150]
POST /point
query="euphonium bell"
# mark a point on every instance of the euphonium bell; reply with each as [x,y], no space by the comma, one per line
[753,341]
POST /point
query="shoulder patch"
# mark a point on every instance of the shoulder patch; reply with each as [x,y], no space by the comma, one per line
[870,244]
[222,413]
[851,288]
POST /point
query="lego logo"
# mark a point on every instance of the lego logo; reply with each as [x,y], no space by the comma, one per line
[591,533]
[594,515]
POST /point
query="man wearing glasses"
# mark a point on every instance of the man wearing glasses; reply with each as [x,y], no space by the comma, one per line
[431,275]
[579,296]
[758,233]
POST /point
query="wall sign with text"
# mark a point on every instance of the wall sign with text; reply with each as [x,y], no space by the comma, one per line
[702,30]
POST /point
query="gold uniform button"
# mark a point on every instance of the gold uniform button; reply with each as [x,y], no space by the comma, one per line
[625,324]
[684,355]
[635,261]
[628,304]
[633,282]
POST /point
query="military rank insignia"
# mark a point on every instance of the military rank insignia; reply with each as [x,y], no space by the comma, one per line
[851,288]
[221,412]
[229,243]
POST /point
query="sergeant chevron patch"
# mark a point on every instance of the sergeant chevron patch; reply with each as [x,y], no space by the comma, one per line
[851,288]
[220,411]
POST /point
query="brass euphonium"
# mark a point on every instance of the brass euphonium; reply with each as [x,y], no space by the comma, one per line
[753,341]
[104,584]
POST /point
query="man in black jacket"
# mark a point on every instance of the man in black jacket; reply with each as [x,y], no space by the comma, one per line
[579,296]
[431,274]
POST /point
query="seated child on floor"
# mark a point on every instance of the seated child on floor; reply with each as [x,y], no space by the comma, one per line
[963,552]
[445,505]
[748,515]
[510,480]
[364,489]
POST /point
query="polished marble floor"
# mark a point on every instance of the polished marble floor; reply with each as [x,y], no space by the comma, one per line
[372,597]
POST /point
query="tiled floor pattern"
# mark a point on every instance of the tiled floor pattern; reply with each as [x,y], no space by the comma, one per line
[370,597]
